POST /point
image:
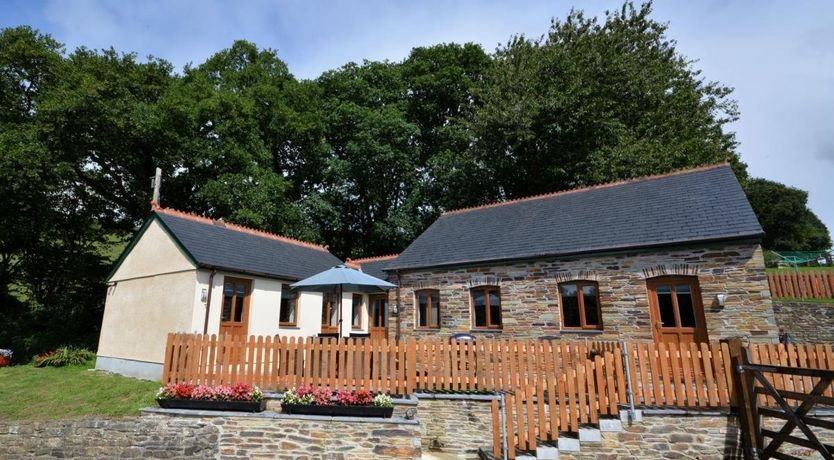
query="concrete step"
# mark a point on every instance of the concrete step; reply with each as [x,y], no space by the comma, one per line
[588,436]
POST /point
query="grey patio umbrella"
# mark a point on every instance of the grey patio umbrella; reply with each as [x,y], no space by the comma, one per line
[342,278]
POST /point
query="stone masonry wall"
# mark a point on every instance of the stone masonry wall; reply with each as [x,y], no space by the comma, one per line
[158,436]
[807,322]
[333,439]
[131,437]
[531,304]
[704,437]
[455,426]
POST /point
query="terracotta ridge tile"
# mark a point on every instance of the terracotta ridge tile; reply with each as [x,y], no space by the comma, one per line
[604,185]
[237,227]
[362,260]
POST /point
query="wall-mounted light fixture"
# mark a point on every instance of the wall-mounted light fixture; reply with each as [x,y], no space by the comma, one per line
[720,299]
[204,295]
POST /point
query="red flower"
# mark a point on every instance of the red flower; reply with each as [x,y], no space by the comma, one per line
[241,391]
[364,398]
[183,390]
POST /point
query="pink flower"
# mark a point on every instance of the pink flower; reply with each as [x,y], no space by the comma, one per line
[223,392]
[304,390]
[346,398]
[322,396]
[203,392]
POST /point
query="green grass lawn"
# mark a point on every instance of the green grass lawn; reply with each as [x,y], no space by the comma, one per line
[30,393]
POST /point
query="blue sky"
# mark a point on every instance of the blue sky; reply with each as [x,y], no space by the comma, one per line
[777,55]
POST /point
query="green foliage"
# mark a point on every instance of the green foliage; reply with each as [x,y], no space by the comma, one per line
[64,356]
[783,213]
[362,158]
[595,101]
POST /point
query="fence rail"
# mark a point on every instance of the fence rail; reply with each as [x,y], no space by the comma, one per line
[802,285]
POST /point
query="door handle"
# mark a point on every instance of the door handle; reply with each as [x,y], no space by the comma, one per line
[658,325]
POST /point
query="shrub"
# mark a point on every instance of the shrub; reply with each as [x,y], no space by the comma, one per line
[64,356]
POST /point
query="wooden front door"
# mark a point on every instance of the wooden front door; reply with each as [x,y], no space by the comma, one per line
[378,316]
[234,314]
[676,309]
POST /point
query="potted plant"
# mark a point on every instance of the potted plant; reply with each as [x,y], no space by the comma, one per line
[321,401]
[5,357]
[241,397]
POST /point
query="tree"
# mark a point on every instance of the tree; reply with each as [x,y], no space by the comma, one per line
[248,145]
[50,268]
[783,212]
[368,201]
[440,83]
[596,101]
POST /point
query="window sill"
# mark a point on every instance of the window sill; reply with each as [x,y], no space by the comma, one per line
[288,326]
[433,328]
[487,329]
[582,331]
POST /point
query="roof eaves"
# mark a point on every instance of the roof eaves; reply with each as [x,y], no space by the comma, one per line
[733,237]
[276,276]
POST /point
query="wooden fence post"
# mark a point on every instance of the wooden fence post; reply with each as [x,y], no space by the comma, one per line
[745,399]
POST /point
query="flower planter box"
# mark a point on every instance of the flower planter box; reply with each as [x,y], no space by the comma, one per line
[4,361]
[338,411]
[196,404]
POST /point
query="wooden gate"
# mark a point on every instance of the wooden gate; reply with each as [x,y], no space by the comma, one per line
[764,406]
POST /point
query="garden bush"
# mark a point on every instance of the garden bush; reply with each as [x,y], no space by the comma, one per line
[64,356]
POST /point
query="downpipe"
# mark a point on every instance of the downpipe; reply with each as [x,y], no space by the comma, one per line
[629,390]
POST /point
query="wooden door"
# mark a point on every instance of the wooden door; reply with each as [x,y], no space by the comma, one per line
[676,309]
[378,316]
[234,314]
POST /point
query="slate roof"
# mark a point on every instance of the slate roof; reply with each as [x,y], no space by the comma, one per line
[216,244]
[688,206]
[374,266]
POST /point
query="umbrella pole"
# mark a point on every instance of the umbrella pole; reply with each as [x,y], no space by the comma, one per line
[340,312]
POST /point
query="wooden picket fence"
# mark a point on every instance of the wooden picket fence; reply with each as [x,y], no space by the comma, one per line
[802,285]
[549,386]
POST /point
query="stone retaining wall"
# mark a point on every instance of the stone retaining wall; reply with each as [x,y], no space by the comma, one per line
[131,437]
[711,436]
[457,426]
[200,436]
[807,322]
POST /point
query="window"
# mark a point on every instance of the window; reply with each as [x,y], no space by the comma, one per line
[580,305]
[289,306]
[356,314]
[486,307]
[329,307]
[379,307]
[428,308]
